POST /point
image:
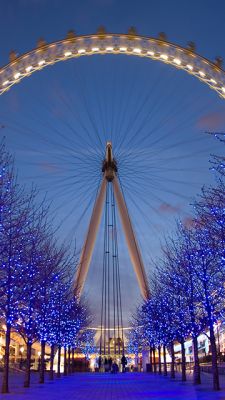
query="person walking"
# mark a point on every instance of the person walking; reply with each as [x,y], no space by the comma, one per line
[106,364]
[124,363]
[110,363]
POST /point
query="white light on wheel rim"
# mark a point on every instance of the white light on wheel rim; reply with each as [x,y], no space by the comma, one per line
[213,81]
[29,68]
[177,61]
[164,56]
[17,75]
[137,50]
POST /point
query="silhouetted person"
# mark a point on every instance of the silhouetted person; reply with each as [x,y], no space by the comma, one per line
[99,362]
[106,364]
[124,363]
[114,368]
[110,363]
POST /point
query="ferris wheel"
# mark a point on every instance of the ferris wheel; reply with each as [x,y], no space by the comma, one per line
[107,165]
[73,46]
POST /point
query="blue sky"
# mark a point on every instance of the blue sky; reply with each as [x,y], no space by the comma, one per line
[104,94]
[24,21]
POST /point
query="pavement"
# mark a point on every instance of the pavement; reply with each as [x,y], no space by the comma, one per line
[100,386]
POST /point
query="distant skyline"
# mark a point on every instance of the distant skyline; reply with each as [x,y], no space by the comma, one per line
[51,120]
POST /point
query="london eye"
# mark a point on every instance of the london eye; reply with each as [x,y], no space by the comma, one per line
[116,151]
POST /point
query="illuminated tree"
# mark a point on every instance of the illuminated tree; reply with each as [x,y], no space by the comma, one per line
[86,342]
[178,280]
[218,162]
[186,267]
[27,322]
[136,338]
[15,213]
[210,279]
[54,263]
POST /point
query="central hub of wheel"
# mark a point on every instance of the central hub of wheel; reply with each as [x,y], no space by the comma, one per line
[109,165]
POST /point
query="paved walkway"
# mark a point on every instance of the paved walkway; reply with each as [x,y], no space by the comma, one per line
[132,386]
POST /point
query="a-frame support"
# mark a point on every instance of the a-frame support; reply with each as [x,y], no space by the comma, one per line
[87,251]
[109,175]
[132,244]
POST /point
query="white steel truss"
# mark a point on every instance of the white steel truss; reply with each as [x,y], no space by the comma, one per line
[110,175]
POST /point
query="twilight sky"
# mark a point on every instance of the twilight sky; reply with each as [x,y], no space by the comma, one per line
[57,121]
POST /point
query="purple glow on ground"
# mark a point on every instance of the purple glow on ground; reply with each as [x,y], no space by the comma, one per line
[132,386]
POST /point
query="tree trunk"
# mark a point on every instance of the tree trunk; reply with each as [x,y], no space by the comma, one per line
[215,372]
[69,360]
[172,372]
[59,362]
[164,360]
[65,362]
[160,365]
[27,373]
[42,365]
[5,377]
[197,373]
[73,352]
[183,365]
[150,359]
[155,370]
[51,375]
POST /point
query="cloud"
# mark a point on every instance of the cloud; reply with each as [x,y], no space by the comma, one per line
[188,222]
[50,168]
[212,120]
[169,208]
